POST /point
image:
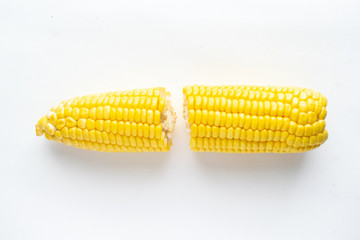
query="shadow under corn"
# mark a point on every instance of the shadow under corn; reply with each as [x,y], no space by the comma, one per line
[126,163]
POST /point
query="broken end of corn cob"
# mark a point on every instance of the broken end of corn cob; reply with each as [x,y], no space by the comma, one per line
[251,119]
[140,120]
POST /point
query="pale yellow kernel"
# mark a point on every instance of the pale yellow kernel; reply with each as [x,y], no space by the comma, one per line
[235,120]
[48,136]
[257,136]
[286,124]
[106,112]
[308,130]
[279,123]
[222,104]
[237,133]
[67,111]
[84,113]
[70,122]
[230,133]
[125,112]
[254,122]
[264,135]
[113,127]
[107,127]
[287,110]
[65,132]
[133,128]
[323,100]
[273,123]
[303,118]
[269,146]
[201,131]
[222,133]
[92,135]
[300,130]
[99,125]
[241,106]
[247,121]
[284,136]
[139,129]
[280,109]
[248,106]
[58,134]
[228,120]
[277,136]
[81,123]
[198,114]
[92,113]
[79,134]
[191,118]
[267,107]
[204,103]
[50,129]
[99,112]
[193,142]
[267,121]
[271,135]
[305,142]
[323,114]
[157,116]
[190,102]
[290,140]
[235,106]
[75,113]
[316,128]
[303,107]
[208,131]
[322,125]
[127,129]
[60,123]
[297,142]
[146,130]
[72,133]
[274,109]
[303,96]
[131,114]
[161,104]
[152,131]
[211,103]
[228,107]
[150,116]
[217,118]
[241,120]
[294,115]
[215,132]
[292,127]
[154,103]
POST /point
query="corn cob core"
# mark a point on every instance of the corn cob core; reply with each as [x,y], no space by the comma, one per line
[251,119]
[140,120]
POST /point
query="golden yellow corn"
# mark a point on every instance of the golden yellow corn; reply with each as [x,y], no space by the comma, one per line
[251,119]
[140,120]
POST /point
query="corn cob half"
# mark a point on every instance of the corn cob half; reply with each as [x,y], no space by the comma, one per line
[140,120]
[251,119]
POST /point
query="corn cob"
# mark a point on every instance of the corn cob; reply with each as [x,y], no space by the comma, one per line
[140,120]
[251,119]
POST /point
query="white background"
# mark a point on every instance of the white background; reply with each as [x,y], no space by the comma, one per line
[54,50]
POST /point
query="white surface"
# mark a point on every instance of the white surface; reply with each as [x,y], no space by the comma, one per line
[54,50]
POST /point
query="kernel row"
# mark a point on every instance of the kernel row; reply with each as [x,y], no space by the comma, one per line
[258,134]
[110,113]
[226,150]
[222,119]
[112,147]
[118,128]
[252,92]
[216,143]
[152,103]
[254,107]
